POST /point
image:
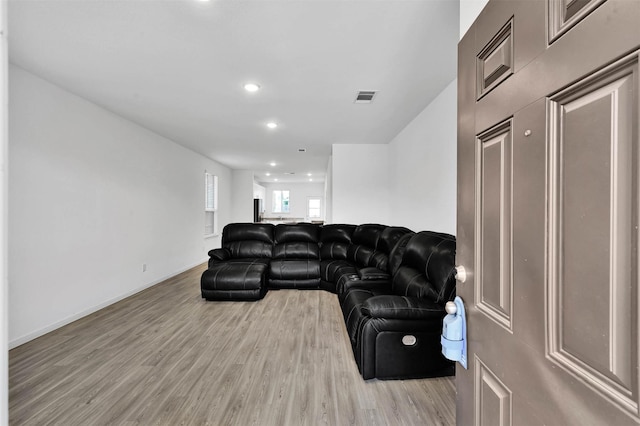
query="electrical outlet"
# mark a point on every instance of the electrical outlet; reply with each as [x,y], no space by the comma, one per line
[144,267]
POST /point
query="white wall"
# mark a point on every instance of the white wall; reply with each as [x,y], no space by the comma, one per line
[360,183]
[92,197]
[328,193]
[241,196]
[259,191]
[422,160]
[298,193]
[469,11]
[4,286]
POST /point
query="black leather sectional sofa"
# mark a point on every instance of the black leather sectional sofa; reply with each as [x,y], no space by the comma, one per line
[392,284]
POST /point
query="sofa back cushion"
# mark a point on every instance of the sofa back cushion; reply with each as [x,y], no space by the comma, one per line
[367,235]
[363,245]
[390,236]
[397,253]
[248,240]
[299,241]
[387,241]
[335,240]
[427,267]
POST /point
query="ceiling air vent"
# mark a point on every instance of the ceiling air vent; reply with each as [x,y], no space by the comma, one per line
[365,96]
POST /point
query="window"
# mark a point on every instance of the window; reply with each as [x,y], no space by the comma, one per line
[280,202]
[313,207]
[210,204]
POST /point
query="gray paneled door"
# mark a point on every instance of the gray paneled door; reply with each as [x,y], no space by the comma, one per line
[548,212]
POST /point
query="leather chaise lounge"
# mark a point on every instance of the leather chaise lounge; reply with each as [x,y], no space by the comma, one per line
[237,271]
[392,284]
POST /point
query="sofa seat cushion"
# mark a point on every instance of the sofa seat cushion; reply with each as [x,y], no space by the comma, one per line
[294,273]
[235,280]
[351,310]
[299,283]
[290,269]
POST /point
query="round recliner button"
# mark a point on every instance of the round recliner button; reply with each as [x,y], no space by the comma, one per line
[409,340]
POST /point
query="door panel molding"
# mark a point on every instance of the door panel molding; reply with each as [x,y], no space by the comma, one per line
[494,263]
[493,399]
[603,217]
[494,63]
[564,14]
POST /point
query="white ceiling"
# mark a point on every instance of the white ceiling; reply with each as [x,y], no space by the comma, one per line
[178,68]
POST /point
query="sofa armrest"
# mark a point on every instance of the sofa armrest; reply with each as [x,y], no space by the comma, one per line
[373,274]
[400,307]
[220,254]
[381,286]
[373,283]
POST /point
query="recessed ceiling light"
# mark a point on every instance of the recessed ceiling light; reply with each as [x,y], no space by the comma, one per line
[272,125]
[308,174]
[310,180]
[268,174]
[251,87]
[275,180]
[272,164]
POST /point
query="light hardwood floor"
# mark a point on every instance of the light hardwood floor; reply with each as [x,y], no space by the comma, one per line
[165,356]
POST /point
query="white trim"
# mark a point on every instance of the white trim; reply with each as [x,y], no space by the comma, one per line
[33,335]
[4,170]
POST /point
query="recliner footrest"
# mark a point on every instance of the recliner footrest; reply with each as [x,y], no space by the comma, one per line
[235,281]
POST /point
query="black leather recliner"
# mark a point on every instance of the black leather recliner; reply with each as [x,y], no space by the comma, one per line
[371,265]
[395,332]
[296,257]
[352,253]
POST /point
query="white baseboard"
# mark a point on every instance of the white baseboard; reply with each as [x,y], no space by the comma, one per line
[30,336]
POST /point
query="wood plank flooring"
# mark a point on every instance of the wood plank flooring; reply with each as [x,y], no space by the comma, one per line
[167,357]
